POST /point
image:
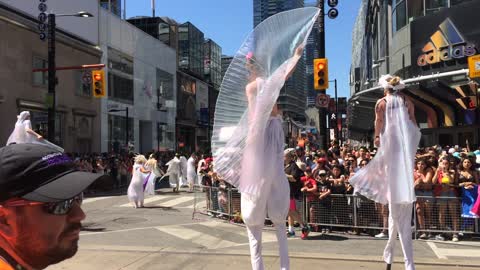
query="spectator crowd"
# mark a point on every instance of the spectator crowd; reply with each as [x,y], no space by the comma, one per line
[445,179]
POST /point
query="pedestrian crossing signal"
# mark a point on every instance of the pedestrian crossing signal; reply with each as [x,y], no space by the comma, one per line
[320,73]
[98,83]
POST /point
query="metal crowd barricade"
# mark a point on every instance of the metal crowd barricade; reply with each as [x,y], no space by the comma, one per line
[430,215]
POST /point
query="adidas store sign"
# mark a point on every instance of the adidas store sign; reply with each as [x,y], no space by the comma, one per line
[445,44]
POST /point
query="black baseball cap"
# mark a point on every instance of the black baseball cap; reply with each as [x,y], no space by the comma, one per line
[40,173]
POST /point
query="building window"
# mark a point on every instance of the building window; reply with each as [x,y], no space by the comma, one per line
[164,89]
[117,126]
[432,6]
[120,88]
[399,14]
[415,9]
[40,78]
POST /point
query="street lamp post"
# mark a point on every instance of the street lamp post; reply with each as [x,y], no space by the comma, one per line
[126,124]
[52,80]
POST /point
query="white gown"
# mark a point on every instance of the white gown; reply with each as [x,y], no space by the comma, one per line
[183,171]
[20,134]
[388,178]
[152,176]
[191,174]
[135,189]
[200,165]
[174,171]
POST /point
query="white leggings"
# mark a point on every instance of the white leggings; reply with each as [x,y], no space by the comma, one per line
[254,212]
[399,221]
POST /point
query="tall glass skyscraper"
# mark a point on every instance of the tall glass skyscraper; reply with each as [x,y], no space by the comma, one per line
[292,100]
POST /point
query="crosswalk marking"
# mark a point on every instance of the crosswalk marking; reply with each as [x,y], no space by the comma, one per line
[444,253]
[149,200]
[177,201]
[90,200]
[193,233]
[196,237]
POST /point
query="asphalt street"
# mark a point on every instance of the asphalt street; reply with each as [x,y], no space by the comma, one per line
[166,234]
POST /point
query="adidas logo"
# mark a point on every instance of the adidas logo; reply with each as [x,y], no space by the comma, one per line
[445,44]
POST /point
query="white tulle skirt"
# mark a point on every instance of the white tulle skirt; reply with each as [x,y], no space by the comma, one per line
[388,178]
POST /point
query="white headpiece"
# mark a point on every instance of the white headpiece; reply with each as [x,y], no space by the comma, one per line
[384,82]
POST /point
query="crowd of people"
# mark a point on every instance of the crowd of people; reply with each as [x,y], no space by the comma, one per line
[445,179]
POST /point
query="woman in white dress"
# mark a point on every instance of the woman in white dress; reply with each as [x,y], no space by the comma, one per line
[388,178]
[23,133]
[135,189]
[152,166]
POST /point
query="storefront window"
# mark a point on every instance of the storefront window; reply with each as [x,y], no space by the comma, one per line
[432,6]
[117,126]
[399,14]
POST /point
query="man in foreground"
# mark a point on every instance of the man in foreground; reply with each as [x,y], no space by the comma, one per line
[40,199]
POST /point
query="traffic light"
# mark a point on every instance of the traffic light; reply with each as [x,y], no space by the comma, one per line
[98,83]
[320,74]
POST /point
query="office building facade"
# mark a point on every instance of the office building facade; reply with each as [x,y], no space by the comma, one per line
[428,44]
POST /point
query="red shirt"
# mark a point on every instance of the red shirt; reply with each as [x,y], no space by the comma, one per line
[309,182]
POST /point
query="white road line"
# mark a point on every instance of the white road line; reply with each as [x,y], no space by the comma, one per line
[450,252]
[176,201]
[90,200]
[436,250]
[200,238]
[149,200]
[132,229]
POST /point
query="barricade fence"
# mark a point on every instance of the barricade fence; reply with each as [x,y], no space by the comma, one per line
[430,215]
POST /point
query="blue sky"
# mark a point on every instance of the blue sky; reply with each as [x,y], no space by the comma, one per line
[228,22]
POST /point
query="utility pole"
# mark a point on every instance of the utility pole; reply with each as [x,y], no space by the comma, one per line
[321,54]
[51,78]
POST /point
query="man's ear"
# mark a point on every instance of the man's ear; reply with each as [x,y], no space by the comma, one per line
[6,226]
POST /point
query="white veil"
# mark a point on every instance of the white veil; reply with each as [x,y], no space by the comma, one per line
[388,178]
[20,134]
[271,46]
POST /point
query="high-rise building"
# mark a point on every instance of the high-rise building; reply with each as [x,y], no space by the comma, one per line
[213,63]
[292,99]
[115,6]
[226,60]
[161,28]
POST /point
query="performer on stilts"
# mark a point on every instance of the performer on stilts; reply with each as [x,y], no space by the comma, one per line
[248,138]
[388,178]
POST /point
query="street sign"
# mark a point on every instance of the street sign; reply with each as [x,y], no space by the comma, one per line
[87,77]
[474,66]
[322,100]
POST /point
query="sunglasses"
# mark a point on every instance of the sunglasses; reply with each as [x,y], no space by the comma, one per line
[53,208]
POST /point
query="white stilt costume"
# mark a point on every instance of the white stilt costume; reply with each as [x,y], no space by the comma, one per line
[388,178]
[248,137]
